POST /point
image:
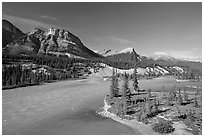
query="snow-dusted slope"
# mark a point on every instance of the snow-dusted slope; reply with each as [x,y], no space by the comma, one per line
[127,50]
[163,57]
[107,70]
[178,69]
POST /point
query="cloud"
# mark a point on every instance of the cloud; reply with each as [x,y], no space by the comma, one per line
[48,17]
[26,24]
[122,41]
[160,53]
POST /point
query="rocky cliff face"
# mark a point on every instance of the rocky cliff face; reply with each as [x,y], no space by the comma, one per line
[10,33]
[54,41]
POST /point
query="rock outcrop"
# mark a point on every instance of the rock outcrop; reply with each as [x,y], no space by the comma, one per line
[54,41]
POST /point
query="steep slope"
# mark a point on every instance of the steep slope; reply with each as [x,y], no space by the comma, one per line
[10,33]
[54,41]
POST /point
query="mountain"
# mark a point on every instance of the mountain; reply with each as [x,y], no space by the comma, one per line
[54,41]
[151,62]
[170,58]
[199,59]
[10,33]
[62,43]
[163,57]
[107,52]
[125,55]
[127,50]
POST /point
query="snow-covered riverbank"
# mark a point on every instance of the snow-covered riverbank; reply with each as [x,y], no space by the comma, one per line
[144,129]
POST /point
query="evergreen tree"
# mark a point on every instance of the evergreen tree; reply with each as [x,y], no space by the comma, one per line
[148,102]
[114,87]
[180,100]
[23,77]
[135,82]
[155,105]
[126,93]
[125,86]
[112,84]
[185,96]
[142,114]
[169,99]
[173,93]
[196,102]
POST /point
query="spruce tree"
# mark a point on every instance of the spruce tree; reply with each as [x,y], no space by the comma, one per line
[169,99]
[185,96]
[148,102]
[114,87]
[180,100]
[126,93]
[195,101]
[125,86]
[155,105]
[135,82]
[173,93]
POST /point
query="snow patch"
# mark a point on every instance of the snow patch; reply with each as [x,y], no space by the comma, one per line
[178,69]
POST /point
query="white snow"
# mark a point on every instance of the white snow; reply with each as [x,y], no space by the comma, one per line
[194,87]
[178,69]
[162,56]
[141,71]
[162,70]
[127,50]
[199,59]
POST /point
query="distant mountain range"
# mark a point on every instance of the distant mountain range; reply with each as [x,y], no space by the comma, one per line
[62,43]
[161,60]
[199,59]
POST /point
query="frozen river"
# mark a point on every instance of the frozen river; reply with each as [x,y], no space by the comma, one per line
[66,107]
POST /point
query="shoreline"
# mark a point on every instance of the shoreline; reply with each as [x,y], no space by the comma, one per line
[143,129]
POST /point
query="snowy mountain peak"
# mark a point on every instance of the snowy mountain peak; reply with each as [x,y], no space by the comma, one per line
[127,50]
[163,57]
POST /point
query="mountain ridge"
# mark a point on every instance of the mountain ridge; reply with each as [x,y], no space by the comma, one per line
[10,32]
[62,43]
[57,41]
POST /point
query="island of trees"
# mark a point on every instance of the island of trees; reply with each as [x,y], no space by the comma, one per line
[161,109]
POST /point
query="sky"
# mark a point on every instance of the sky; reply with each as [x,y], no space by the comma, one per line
[173,29]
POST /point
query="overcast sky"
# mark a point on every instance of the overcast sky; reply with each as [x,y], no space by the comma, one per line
[151,28]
